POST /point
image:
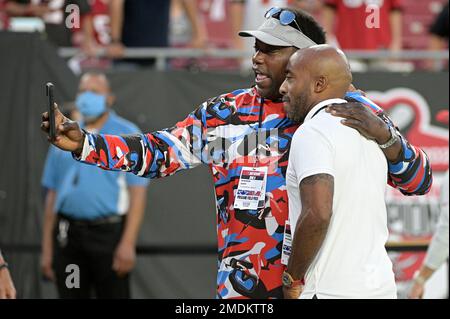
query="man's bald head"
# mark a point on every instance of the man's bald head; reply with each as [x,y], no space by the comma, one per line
[327,66]
[313,75]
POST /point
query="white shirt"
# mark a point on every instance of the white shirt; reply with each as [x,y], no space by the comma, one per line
[352,262]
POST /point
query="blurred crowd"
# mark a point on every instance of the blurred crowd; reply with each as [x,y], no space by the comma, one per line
[103,29]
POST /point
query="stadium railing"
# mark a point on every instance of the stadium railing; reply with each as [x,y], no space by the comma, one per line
[163,54]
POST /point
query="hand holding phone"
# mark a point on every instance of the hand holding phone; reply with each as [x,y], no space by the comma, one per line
[61,131]
[51,110]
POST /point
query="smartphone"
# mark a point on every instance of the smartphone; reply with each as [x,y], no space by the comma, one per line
[51,109]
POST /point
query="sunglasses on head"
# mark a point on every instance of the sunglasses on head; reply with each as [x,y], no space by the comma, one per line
[285,16]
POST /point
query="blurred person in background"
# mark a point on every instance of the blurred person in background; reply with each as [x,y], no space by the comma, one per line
[311,6]
[439,35]
[54,14]
[93,39]
[92,218]
[185,34]
[187,27]
[364,24]
[96,33]
[143,23]
[249,238]
[4,18]
[7,290]
[438,250]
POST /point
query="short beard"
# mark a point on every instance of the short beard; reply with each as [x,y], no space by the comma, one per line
[300,108]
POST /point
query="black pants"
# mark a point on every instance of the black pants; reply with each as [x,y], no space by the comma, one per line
[90,248]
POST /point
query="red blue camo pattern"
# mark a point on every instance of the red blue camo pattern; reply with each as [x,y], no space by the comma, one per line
[224,133]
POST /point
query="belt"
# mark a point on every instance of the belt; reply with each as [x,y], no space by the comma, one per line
[112,219]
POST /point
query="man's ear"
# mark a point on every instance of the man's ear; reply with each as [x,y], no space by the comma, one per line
[110,99]
[320,84]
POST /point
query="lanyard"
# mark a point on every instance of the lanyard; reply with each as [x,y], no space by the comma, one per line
[261,111]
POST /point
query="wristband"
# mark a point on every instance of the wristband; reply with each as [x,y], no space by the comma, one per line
[289,282]
[394,138]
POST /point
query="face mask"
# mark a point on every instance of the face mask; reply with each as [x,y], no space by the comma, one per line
[91,105]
